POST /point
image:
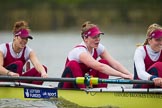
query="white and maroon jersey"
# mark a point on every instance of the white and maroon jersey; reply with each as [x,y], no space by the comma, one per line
[10,56]
[77,50]
[144,57]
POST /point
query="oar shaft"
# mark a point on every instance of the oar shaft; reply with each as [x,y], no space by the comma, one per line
[8,78]
[125,81]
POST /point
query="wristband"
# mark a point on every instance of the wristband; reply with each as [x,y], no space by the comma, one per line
[152,77]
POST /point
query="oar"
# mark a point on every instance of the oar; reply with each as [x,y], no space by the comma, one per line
[24,78]
[125,81]
[77,80]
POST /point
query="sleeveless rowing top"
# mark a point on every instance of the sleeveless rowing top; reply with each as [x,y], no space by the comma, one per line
[148,62]
[83,66]
[10,59]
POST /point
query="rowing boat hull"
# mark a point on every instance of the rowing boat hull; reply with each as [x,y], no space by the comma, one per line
[12,92]
[113,99]
[96,97]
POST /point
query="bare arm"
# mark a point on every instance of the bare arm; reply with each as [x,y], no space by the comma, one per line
[4,71]
[38,66]
[114,63]
[88,60]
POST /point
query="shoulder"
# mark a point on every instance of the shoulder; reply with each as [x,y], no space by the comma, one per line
[2,47]
[78,50]
[81,47]
[140,48]
[28,48]
[28,51]
[140,52]
[100,49]
[75,53]
[101,46]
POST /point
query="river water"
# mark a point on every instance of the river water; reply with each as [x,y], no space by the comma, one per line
[53,47]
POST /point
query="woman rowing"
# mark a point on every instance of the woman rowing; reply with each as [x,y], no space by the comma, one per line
[15,54]
[82,59]
[148,58]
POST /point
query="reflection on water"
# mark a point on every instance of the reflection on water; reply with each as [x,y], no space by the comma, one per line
[52,49]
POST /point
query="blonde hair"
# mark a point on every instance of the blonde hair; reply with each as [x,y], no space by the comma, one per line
[86,26]
[150,29]
[20,25]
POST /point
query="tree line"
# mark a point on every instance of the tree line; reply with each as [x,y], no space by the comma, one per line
[66,14]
